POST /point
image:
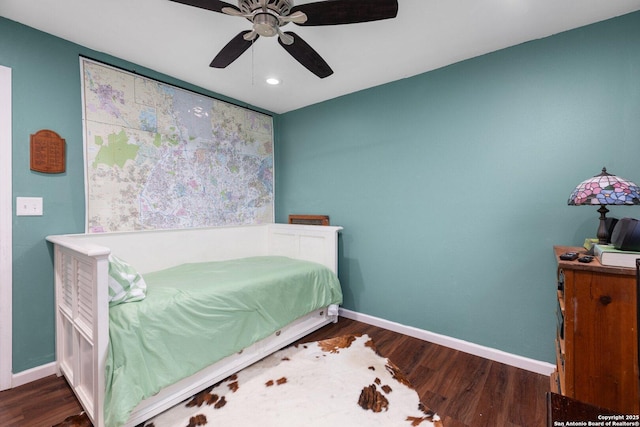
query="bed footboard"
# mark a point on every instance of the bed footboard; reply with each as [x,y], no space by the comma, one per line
[82,331]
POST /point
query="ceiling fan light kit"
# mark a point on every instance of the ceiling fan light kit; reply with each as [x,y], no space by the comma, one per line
[265,25]
[267,16]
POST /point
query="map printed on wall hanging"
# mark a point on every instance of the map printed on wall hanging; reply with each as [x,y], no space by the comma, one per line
[161,157]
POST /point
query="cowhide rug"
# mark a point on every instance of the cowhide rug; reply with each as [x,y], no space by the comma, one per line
[341,381]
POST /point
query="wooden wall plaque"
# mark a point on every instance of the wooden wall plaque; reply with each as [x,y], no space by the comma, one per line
[47,152]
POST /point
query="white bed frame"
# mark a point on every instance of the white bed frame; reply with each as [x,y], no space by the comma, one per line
[82,308]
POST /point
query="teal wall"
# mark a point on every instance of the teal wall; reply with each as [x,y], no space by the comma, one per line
[472,259]
[46,95]
[452,186]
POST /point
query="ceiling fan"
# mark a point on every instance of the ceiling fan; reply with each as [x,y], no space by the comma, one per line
[267,16]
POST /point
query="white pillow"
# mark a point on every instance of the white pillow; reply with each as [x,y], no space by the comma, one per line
[125,283]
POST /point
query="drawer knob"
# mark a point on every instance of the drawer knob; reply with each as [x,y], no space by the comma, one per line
[605,300]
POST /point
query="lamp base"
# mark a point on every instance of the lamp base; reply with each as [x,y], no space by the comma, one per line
[603,230]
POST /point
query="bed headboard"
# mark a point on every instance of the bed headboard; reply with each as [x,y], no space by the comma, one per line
[311,243]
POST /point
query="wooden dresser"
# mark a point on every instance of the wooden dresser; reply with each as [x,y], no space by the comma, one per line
[597,339]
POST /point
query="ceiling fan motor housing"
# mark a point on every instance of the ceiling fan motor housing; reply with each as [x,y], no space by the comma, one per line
[266,14]
[280,7]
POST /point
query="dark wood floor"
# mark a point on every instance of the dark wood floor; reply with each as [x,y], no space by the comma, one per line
[465,390]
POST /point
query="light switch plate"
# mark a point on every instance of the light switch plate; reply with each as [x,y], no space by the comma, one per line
[28,206]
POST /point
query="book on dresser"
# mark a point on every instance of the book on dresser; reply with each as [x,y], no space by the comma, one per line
[608,255]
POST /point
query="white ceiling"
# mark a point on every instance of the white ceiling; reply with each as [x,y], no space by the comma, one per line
[181,41]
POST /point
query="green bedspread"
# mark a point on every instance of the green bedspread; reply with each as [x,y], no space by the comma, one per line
[197,314]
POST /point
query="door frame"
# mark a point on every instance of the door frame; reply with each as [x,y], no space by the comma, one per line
[6,228]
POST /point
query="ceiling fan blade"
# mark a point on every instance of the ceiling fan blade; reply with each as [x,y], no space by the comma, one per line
[305,55]
[214,5]
[335,12]
[236,47]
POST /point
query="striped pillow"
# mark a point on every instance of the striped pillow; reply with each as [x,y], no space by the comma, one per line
[125,283]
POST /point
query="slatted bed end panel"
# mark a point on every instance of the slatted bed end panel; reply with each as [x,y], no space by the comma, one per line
[76,302]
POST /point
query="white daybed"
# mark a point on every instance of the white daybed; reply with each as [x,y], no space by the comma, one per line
[82,309]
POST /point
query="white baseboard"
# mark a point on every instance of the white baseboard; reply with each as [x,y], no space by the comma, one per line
[537,366]
[33,374]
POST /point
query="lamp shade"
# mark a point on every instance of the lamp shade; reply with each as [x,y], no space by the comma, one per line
[605,189]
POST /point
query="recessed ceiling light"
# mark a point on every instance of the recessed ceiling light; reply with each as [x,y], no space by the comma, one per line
[273,81]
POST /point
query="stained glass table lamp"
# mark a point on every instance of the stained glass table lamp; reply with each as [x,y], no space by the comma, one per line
[605,189]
